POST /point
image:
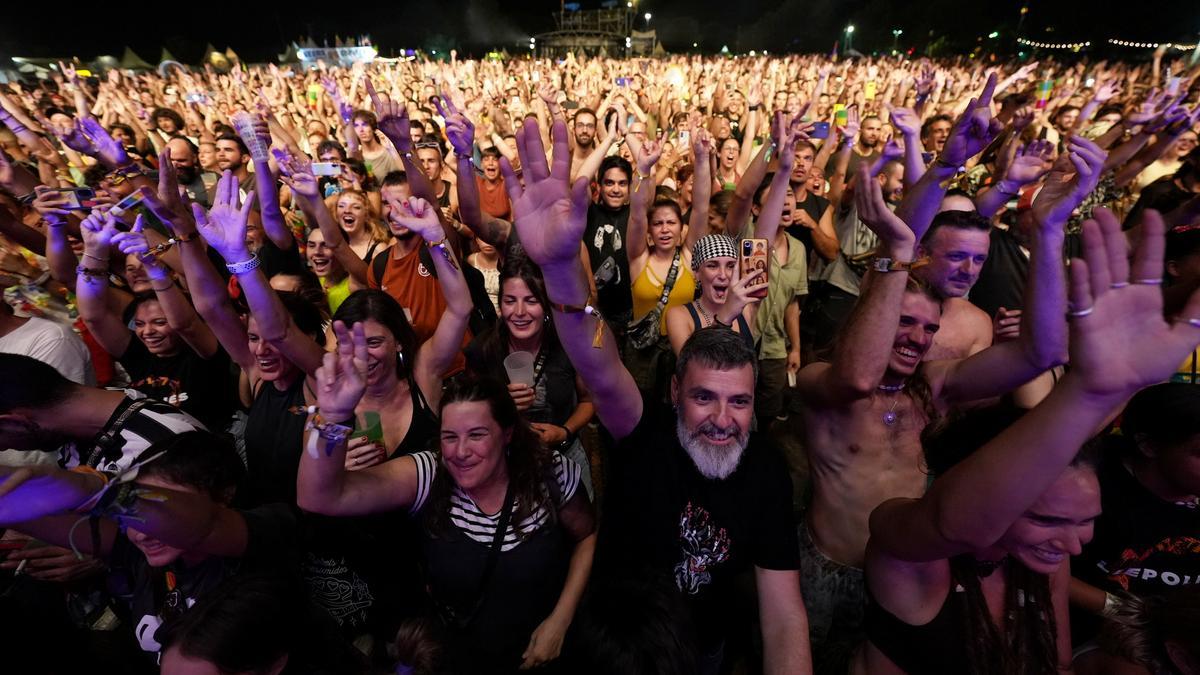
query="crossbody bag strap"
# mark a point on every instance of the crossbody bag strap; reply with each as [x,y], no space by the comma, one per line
[493,558]
[669,283]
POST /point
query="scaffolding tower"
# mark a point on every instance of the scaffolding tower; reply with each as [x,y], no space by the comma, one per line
[606,31]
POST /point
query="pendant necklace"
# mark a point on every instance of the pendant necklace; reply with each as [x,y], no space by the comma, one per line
[889,417]
[704,314]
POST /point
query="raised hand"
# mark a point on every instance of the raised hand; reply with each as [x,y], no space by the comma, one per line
[224,225]
[646,155]
[105,147]
[459,129]
[1023,118]
[1120,341]
[874,212]
[418,215]
[1107,91]
[97,231]
[549,213]
[974,130]
[1030,162]
[1063,193]
[168,206]
[50,203]
[392,118]
[296,173]
[850,131]
[905,121]
[134,242]
[342,377]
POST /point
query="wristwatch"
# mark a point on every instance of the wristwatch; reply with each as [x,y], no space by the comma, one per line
[885,265]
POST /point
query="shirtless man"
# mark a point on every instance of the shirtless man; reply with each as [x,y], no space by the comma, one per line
[956,246]
[865,410]
[584,127]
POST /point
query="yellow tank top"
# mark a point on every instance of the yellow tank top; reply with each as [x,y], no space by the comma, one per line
[336,293]
[647,288]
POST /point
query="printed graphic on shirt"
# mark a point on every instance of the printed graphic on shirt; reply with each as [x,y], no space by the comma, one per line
[1130,565]
[338,589]
[704,546]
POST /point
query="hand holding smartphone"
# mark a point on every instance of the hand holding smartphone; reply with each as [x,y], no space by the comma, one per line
[754,259]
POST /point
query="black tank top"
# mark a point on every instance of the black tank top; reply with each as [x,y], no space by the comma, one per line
[274,441]
[743,327]
[936,647]
[423,426]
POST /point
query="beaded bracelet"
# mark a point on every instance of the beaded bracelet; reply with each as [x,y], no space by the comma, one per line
[441,245]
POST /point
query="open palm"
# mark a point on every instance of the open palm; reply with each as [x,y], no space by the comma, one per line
[1124,343]
[224,225]
[549,213]
[342,377]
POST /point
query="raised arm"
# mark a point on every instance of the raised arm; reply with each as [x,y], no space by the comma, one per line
[224,227]
[644,159]
[393,122]
[298,176]
[974,131]
[91,285]
[847,137]
[439,351]
[258,138]
[461,133]
[1043,340]
[207,287]
[550,216]
[181,316]
[1026,168]
[702,148]
[1119,344]
[322,484]
[772,208]
[861,356]
[909,125]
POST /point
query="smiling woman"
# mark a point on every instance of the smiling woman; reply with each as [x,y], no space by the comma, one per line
[508,536]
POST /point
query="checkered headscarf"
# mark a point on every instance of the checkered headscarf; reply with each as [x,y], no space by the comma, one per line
[713,246]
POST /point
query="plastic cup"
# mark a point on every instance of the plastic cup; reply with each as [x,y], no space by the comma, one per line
[519,366]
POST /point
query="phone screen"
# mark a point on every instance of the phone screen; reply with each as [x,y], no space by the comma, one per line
[820,130]
[754,259]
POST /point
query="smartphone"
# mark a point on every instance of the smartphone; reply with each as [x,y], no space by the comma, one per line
[684,138]
[869,90]
[195,97]
[327,168]
[622,81]
[754,259]
[78,199]
[131,201]
[820,130]
[840,115]
[370,426]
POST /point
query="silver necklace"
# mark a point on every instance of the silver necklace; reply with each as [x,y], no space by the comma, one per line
[889,417]
[704,314]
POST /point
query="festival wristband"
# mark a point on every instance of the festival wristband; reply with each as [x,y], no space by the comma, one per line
[588,308]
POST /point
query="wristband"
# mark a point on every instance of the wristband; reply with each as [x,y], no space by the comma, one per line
[588,308]
[441,246]
[90,273]
[884,265]
[244,266]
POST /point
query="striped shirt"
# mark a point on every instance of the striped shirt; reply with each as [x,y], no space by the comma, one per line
[153,422]
[476,524]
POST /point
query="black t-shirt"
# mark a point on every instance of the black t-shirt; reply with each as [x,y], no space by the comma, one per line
[1142,544]
[149,592]
[663,517]
[814,206]
[203,388]
[1002,279]
[605,240]
[1163,195]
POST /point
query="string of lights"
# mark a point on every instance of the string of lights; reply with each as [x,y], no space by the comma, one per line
[1076,46]
[1150,45]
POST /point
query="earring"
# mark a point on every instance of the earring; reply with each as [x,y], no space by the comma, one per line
[400,355]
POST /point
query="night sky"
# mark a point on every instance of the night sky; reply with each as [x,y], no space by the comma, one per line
[262,30]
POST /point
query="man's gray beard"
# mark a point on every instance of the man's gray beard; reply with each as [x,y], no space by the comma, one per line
[712,461]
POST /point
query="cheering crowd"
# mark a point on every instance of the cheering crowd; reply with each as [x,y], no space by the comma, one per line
[478,366]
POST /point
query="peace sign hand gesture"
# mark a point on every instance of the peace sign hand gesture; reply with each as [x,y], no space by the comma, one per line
[342,377]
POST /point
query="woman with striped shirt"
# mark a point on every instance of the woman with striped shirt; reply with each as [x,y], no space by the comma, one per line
[508,536]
